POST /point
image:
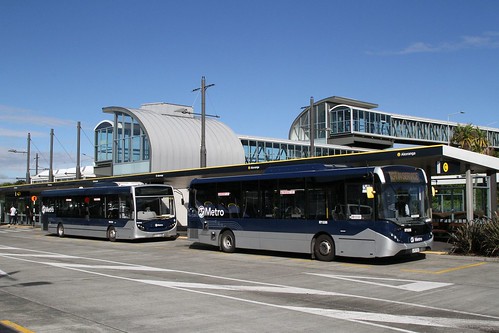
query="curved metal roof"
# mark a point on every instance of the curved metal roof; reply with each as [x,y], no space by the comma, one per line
[175,137]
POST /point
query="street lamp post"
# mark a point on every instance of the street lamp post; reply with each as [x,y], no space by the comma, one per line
[203,121]
[27,152]
[448,125]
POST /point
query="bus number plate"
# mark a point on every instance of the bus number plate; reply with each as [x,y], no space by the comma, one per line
[158,235]
[415,250]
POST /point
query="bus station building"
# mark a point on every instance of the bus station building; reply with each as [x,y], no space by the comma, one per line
[160,143]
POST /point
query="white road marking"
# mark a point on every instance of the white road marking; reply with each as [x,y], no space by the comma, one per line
[410,285]
[400,319]
[115,267]
[60,256]
[269,289]
[367,318]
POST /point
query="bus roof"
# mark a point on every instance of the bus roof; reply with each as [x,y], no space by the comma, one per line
[86,191]
[305,170]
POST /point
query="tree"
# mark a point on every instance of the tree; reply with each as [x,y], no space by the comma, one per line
[471,138]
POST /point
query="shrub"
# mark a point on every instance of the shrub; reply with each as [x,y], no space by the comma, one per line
[479,237]
[490,245]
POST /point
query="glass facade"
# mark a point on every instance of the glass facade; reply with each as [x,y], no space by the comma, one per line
[371,122]
[263,151]
[300,130]
[341,121]
[130,141]
[104,142]
[345,119]
[331,121]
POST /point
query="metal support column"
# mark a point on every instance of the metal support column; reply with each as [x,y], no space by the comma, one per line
[311,119]
[492,180]
[469,194]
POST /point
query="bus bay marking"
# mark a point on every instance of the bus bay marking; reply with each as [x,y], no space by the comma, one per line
[411,285]
[2,273]
[375,319]
[447,270]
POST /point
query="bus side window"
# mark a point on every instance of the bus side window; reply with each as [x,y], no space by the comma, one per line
[271,204]
[125,207]
[338,213]
[316,207]
[95,207]
[250,200]
[112,209]
[233,210]
[358,205]
[250,204]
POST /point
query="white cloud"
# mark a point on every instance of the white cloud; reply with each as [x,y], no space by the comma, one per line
[487,40]
[6,132]
[24,116]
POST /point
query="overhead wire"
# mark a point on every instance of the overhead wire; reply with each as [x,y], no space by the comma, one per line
[64,148]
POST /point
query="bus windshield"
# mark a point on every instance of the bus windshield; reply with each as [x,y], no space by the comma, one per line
[403,203]
[154,208]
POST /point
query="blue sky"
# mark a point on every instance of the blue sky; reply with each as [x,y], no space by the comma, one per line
[62,61]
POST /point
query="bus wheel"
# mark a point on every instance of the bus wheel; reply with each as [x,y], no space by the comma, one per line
[324,248]
[111,234]
[228,242]
[60,230]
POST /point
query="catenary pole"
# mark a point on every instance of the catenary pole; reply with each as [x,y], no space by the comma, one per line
[312,127]
[78,171]
[28,157]
[202,158]
[51,164]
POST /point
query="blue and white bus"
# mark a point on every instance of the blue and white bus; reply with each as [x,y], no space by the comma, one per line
[112,211]
[323,210]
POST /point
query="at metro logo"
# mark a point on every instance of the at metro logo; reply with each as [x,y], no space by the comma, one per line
[209,211]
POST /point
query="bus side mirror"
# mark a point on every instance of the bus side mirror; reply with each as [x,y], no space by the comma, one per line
[370,192]
[433,191]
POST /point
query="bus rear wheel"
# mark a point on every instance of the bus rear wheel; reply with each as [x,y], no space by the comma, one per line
[111,234]
[324,248]
[60,230]
[228,242]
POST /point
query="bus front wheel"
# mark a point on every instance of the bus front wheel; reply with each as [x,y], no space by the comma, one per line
[60,230]
[324,248]
[228,242]
[111,234]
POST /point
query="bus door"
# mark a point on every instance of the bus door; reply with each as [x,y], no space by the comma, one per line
[356,235]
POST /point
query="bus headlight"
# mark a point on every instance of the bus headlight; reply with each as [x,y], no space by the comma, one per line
[395,238]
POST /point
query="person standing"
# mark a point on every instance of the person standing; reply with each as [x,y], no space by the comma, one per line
[12,216]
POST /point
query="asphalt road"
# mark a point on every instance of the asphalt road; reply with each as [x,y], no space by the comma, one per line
[51,284]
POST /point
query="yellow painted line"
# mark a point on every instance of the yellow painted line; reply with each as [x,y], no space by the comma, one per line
[435,252]
[444,270]
[15,326]
[355,265]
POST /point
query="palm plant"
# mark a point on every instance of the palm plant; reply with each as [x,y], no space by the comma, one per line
[471,138]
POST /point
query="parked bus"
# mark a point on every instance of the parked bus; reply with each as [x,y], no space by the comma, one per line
[323,210]
[111,211]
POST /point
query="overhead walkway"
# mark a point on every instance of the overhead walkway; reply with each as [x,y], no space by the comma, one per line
[354,123]
[259,149]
